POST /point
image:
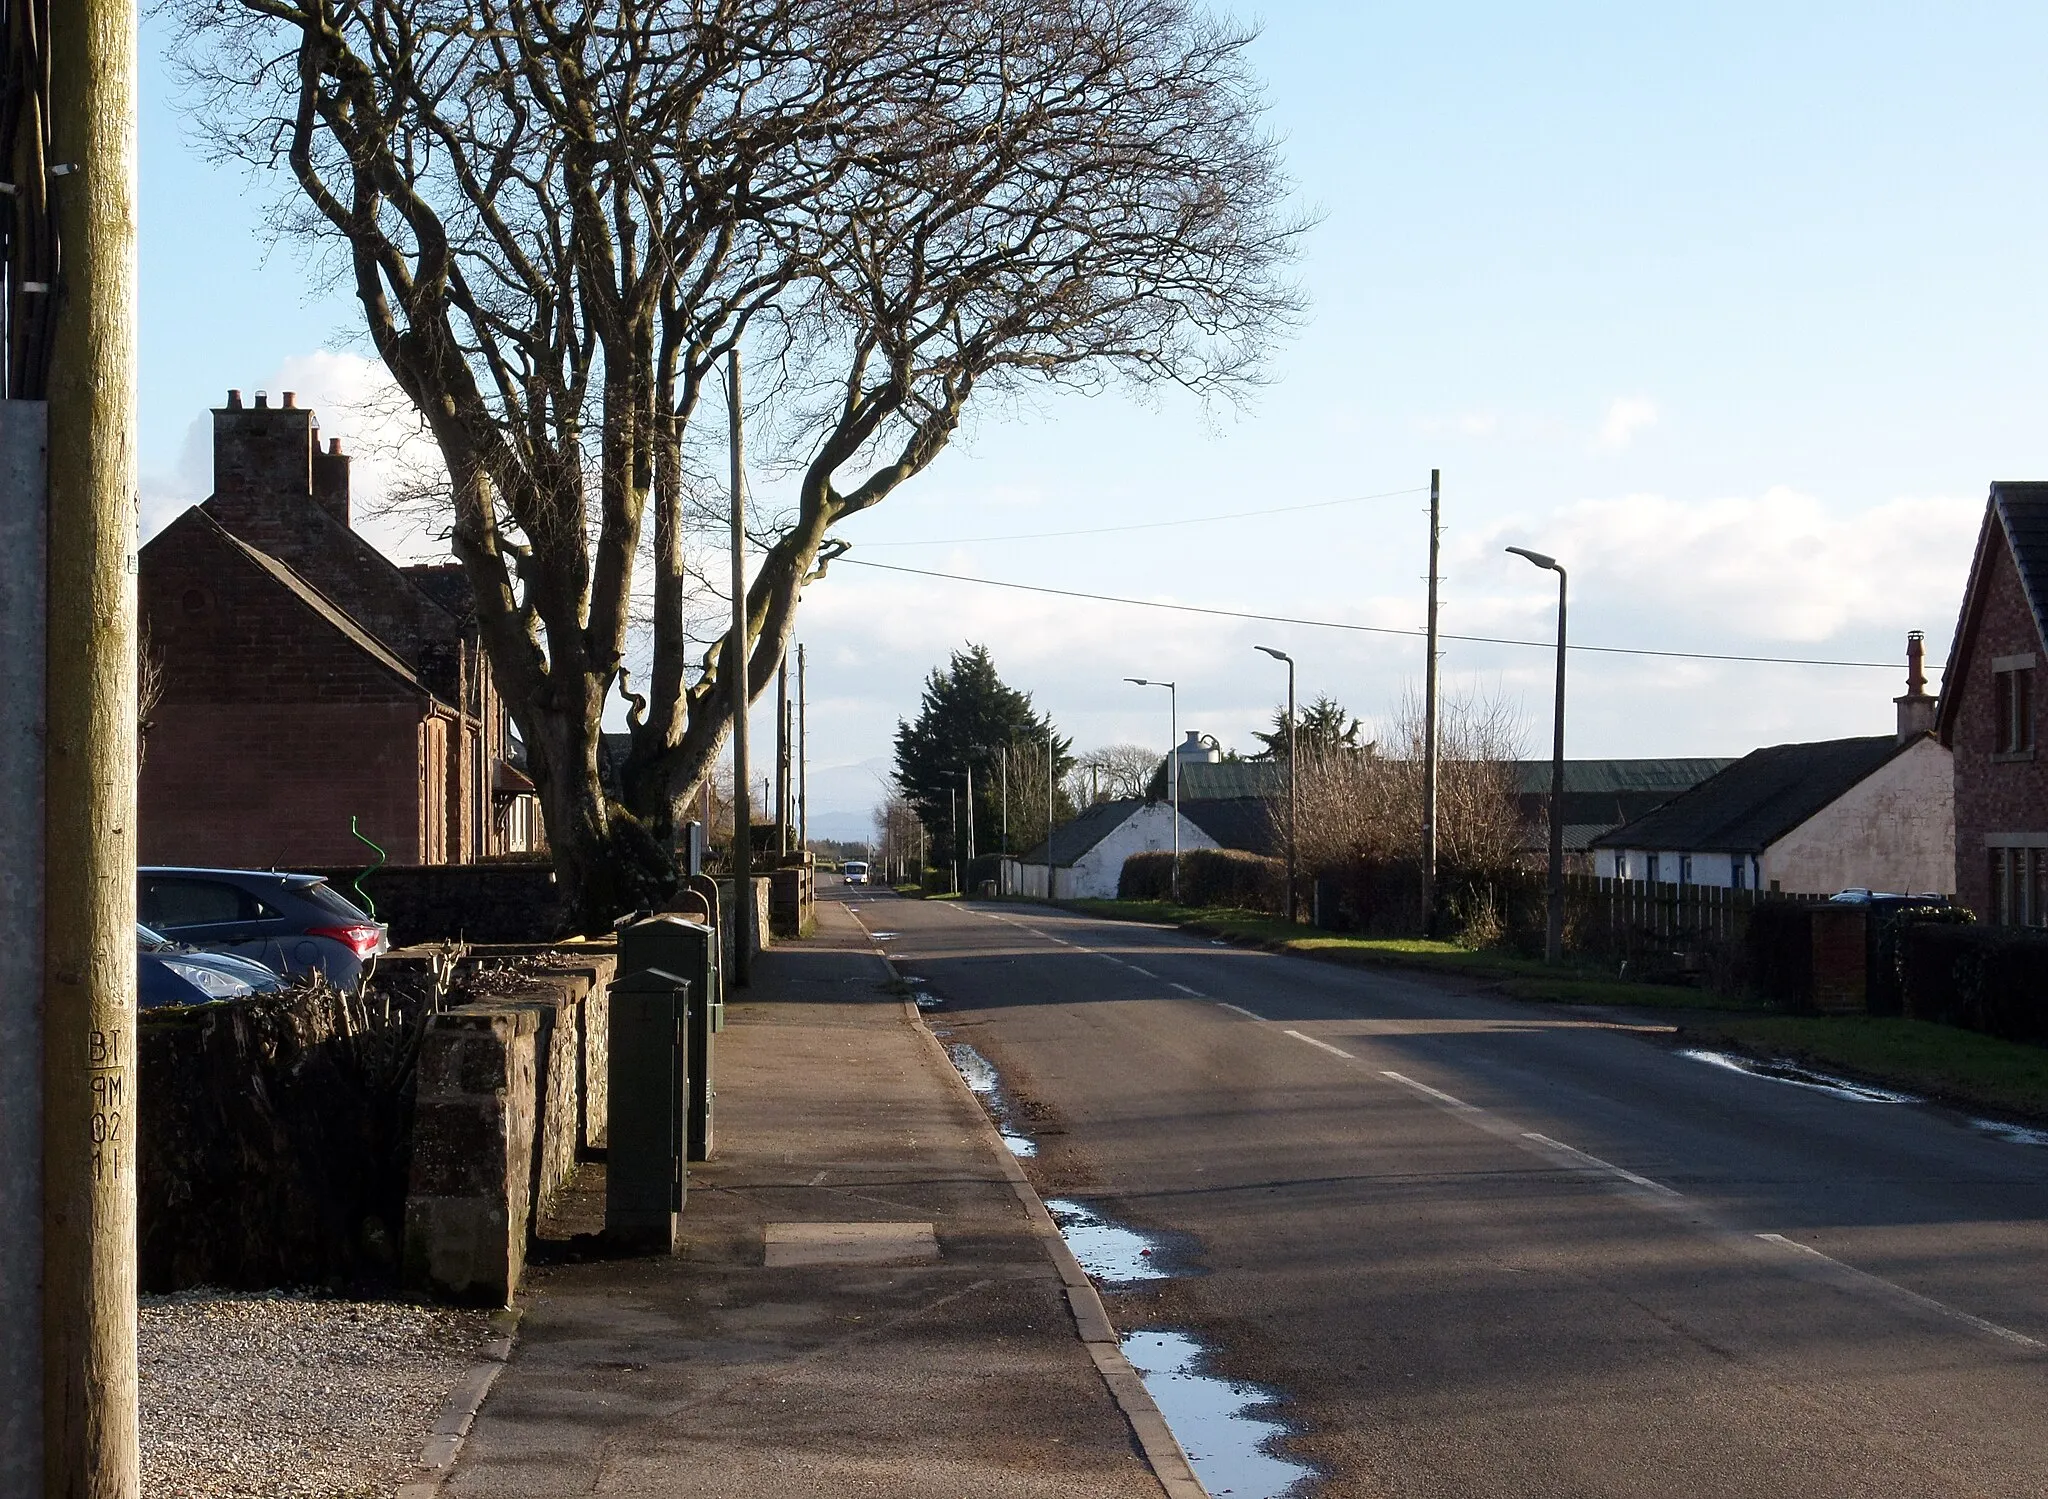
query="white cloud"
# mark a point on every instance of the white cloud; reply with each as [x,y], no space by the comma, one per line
[1626,416]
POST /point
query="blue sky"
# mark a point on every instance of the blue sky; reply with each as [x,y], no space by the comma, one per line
[1735,308]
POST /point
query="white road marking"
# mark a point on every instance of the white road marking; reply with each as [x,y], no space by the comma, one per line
[1224,1004]
[1146,971]
[1426,1090]
[1593,1162]
[1182,987]
[1113,958]
[1865,1280]
[1324,1045]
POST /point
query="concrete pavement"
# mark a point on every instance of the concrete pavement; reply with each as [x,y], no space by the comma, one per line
[716,1374]
[1486,1248]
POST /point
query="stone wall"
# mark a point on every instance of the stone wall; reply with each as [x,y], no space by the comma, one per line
[489,903]
[511,1098]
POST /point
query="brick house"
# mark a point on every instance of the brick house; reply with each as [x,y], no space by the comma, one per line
[308,679]
[1987,713]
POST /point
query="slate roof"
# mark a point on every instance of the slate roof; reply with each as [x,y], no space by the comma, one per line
[2020,511]
[1241,822]
[1759,799]
[317,602]
[1611,777]
[1074,837]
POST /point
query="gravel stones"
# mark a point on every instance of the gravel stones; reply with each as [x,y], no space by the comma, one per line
[272,1396]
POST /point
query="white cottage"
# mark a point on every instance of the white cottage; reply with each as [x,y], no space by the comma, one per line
[1088,852]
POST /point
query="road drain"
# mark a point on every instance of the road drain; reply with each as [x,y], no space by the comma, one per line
[1800,1077]
[1213,1419]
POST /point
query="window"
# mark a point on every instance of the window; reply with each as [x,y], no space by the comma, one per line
[1736,873]
[2012,698]
[1685,869]
[2019,885]
[172,903]
[1650,870]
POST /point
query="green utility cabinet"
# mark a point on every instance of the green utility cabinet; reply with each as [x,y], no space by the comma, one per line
[689,948]
[648,1072]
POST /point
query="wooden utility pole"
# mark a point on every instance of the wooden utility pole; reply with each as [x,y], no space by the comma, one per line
[736,669]
[1429,725]
[89,1376]
[782,756]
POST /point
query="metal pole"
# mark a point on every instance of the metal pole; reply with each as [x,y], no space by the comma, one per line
[1293,802]
[736,672]
[1553,941]
[1006,798]
[1173,776]
[970,818]
[803,760]
[953,832]
[1429,724]
[782,756]
[1051,762]
[90,1445]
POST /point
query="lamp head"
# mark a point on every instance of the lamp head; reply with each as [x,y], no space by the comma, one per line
[1276,655]
[1536,557]
[1137,681]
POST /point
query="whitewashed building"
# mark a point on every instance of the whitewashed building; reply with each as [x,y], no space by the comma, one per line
[1087,853]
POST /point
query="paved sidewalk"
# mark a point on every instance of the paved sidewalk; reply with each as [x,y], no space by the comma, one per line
[710,1374]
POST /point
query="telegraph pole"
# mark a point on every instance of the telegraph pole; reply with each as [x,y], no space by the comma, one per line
[1429,726]
[736,669]
[90,1446]
[782,755]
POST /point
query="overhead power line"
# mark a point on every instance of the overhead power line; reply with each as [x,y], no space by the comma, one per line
[1151,525]
[1332,624]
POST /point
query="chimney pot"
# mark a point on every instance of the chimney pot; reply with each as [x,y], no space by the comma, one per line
[291,399]
[234,400]
[1916,708]
[262,400]
[334,445]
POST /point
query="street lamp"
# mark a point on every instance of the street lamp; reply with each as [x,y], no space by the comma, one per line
[1172,764]
[1553,936]
[1293,798]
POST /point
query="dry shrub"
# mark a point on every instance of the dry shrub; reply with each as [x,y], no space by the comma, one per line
[1361,820]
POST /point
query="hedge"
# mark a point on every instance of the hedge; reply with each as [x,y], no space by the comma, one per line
[1989,979]
[1208,877]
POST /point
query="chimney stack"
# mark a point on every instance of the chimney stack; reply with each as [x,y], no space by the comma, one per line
[1916,708]
[267,460]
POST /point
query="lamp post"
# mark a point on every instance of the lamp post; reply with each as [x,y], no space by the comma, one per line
[1553,937]
[1172,764]
[1293,795]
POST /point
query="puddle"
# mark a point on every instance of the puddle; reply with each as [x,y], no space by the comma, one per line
[883,936]
[2012,1134]
[1213,1421]
[987,1084]
[1107,1251]
[1800,1077]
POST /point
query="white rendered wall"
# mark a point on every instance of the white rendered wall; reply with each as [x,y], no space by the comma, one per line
[1094,875]
[1894,830]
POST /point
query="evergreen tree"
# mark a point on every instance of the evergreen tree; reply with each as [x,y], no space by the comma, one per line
[967,719]
[1322,728]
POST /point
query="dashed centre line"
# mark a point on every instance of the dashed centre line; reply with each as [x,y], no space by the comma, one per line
[1426,1090]
[1146,971]
[1186,990]
[1323,1045]
[1594,1162]
[1224,1004]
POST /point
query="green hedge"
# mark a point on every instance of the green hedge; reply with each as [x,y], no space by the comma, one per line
[1989,979]
[1208,877]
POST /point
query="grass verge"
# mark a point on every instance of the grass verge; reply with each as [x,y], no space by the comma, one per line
[1520,978]
[1956,1067]
[1936,1061]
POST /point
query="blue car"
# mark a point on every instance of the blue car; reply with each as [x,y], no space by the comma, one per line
[167,974]
[290,923]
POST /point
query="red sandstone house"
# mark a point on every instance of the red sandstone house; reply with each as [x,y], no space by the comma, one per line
[1987,716]
[308,679]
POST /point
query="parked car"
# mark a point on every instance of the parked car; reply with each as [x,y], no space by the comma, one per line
[291,923]
[168,974]
[856,872]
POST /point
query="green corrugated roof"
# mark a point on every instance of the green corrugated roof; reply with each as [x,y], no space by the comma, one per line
[1532,777]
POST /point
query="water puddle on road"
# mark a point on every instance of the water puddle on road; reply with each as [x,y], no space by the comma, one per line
[987,1085]
[2012,1134]
[1108,1251]
[1213,1421]
[1800,1077]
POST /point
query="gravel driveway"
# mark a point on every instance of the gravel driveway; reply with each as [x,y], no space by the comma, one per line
[292,1397]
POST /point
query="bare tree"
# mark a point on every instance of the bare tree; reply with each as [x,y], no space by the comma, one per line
[558,219]
[1120,770]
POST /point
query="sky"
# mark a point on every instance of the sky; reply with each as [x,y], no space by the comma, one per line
[1735,309]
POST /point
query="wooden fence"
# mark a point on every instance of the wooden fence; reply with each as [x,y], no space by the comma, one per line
[1633,918]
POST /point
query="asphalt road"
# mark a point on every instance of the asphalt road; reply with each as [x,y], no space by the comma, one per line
[1491,1248]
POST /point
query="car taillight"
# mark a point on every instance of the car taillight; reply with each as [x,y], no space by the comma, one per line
[359,938]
